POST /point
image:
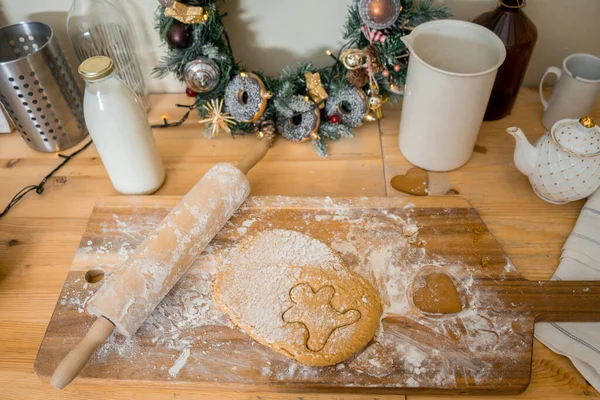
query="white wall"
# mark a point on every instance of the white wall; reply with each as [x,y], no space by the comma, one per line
[268,34]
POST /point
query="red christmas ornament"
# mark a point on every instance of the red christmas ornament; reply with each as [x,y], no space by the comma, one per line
[397,67]
[190,93]
[334,119]
[385,73]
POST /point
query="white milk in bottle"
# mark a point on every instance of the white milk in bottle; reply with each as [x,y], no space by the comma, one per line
[119,127]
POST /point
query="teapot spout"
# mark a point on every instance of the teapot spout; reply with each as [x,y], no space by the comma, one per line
[525,153]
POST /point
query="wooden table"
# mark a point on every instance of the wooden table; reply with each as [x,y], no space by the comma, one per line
[38,238]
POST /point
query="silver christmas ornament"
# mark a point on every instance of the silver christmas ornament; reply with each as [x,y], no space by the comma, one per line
[202,75]
[166,3]
[379,14]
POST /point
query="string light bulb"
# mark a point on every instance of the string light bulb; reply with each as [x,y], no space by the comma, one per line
[261,134]
[306,98]
[330,54]
[205,16]
[243,75]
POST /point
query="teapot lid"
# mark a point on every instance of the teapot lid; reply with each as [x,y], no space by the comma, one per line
[577,137]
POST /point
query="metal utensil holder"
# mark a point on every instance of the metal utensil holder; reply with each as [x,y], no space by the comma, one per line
[38,88]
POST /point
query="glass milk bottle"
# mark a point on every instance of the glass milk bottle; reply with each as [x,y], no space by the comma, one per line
[120,129]
[98,28]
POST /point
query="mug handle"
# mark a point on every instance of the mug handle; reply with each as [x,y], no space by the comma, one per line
[549,70]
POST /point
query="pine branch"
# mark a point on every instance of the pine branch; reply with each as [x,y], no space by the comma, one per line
[353,24]
[407,4]
[333,131]
[390,50]
[320,147]
[427,10]
[162,24]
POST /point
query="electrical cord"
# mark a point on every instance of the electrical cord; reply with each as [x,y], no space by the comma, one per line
[39,188]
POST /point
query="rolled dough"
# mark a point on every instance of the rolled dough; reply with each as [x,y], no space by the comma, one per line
[293,294]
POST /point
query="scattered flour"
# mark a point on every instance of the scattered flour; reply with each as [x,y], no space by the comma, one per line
[371,241]
[248,223]
[414,356]
[344,247]
[180,362]
[411,382]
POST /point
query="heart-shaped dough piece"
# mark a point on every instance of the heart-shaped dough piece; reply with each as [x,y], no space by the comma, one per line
[415,182]
[292,293]
[436,294]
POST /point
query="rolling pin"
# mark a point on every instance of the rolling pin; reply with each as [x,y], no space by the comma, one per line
[128,298]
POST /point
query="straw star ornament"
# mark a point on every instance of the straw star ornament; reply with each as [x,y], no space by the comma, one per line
[218,120]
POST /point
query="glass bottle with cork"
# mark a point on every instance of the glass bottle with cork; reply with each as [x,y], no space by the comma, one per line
[519,35]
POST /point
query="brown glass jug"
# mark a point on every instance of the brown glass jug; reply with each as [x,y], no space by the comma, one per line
[519,34]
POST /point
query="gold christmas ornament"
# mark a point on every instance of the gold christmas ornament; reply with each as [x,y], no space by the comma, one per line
[370,117]
[218,120]
[186,14]
[376,102]
[354,59]
[362,65]
[315,88]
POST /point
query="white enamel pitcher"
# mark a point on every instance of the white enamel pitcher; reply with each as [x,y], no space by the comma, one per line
[451,72]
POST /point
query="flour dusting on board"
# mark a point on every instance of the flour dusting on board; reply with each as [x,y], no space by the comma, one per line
[180,362]
[390,247]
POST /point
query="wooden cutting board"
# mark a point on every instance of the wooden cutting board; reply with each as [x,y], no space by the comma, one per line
[394,242]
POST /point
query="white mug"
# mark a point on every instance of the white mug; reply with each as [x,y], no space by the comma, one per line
[576,89]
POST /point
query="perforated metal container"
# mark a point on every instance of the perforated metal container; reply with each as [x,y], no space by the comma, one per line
[38,88]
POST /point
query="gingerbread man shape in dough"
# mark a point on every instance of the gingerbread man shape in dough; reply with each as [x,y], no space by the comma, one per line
[314,311]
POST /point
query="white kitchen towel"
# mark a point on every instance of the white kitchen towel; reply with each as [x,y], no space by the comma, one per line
[580,260]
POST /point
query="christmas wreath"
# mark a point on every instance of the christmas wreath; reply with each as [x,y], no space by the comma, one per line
[303,103]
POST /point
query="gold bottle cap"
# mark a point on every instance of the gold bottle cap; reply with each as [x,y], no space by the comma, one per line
[588,122]
[95,68]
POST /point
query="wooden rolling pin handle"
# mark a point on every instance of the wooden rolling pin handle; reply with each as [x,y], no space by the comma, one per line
[255,154]
[73,363]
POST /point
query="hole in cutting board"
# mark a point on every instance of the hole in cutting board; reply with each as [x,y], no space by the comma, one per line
[94,276]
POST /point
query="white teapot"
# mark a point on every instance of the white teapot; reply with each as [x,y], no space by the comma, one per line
[564,165]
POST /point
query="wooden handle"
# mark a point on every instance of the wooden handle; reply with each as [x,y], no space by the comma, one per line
[552,301]
[255,154]
[77,358]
